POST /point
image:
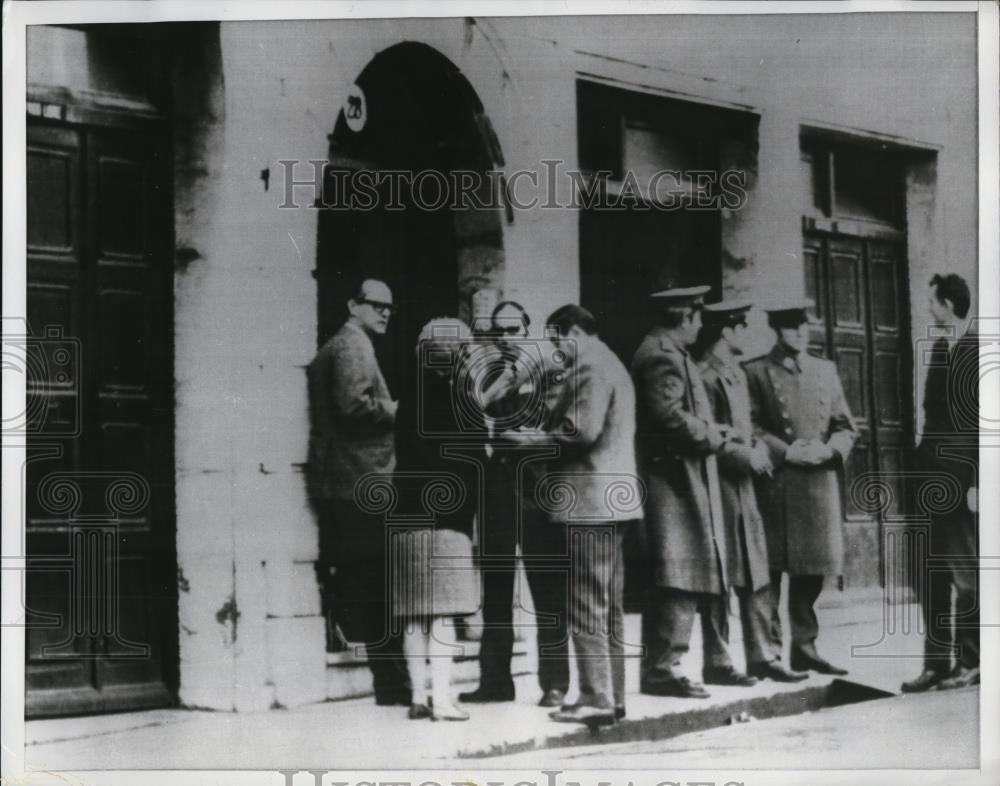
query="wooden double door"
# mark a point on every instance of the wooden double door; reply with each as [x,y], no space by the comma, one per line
[101,584]
[861,321]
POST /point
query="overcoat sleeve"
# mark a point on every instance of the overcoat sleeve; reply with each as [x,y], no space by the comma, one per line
[664,388]
[759,392]
[843,432]
[734,457]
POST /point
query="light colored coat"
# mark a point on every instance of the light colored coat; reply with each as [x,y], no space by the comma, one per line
[594,478]
[801,505]
[351,416]
[677,444]
[726,384]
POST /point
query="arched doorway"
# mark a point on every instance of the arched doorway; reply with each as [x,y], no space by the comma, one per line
[421,115]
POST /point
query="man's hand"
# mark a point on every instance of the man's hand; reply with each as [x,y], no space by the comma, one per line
[738,437]
[760,460]
[808,454]
[523,436]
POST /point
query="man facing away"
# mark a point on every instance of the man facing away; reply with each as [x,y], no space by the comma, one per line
[743,457]
[592,421]
[951,445]
[352,420]
[800,413]
[678,443]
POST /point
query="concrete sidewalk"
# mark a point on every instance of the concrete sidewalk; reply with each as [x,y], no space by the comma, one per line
[868,638]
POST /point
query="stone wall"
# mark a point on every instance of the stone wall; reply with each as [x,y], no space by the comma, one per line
[249,94]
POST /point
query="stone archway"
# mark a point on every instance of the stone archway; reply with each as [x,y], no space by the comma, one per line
[421,114]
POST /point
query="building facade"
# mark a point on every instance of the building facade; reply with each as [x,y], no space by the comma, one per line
[174,234]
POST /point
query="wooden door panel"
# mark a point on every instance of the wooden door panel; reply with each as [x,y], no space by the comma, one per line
[851,366]
[106,283]
[888,384]
[845,280]
[52,169]
[860,320]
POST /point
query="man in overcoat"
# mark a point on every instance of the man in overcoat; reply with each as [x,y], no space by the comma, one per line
[799,411]
[352,417]
[950,445]
[677,445]
[743,458]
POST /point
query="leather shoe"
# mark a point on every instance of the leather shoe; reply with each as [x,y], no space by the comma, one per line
[961,677]
[581,713]
[619,713]
[680,687]
[773,670]
[727,675]
[483,695]
[815,663]
[928,679]
[553,697]
[418,712]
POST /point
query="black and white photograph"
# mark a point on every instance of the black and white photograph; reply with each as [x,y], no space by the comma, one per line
[547,393]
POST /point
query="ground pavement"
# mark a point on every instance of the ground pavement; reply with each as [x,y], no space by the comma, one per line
[877,643]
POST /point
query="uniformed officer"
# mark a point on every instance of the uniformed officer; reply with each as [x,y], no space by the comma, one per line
[799,411]
[744,457]
[677,440]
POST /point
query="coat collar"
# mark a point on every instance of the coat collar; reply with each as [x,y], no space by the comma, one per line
[787,360]
[351,325]
[667,343]
[725,370]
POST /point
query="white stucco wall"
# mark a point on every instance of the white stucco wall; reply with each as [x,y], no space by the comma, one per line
[245,308]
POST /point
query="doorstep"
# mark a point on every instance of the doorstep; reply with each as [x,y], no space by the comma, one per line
[347,675]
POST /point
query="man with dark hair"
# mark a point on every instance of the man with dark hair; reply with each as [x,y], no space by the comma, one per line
[678,443]
[564,319]
[952,293]
[592,421]
[511,386]
[352,419]
[950,445]
[743,458]
[800,413]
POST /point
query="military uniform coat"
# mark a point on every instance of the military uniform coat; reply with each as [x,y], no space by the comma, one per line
[746,543]
[801,397]
[677,441]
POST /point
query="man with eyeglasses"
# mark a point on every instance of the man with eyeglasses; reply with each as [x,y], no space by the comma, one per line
[677,441]
[513,392]
[352,417]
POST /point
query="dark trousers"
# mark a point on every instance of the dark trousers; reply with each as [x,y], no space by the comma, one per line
[597,614]
[803,592]
[951,562]
[543,550]
[667,623]
[355,592]
[755,617]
